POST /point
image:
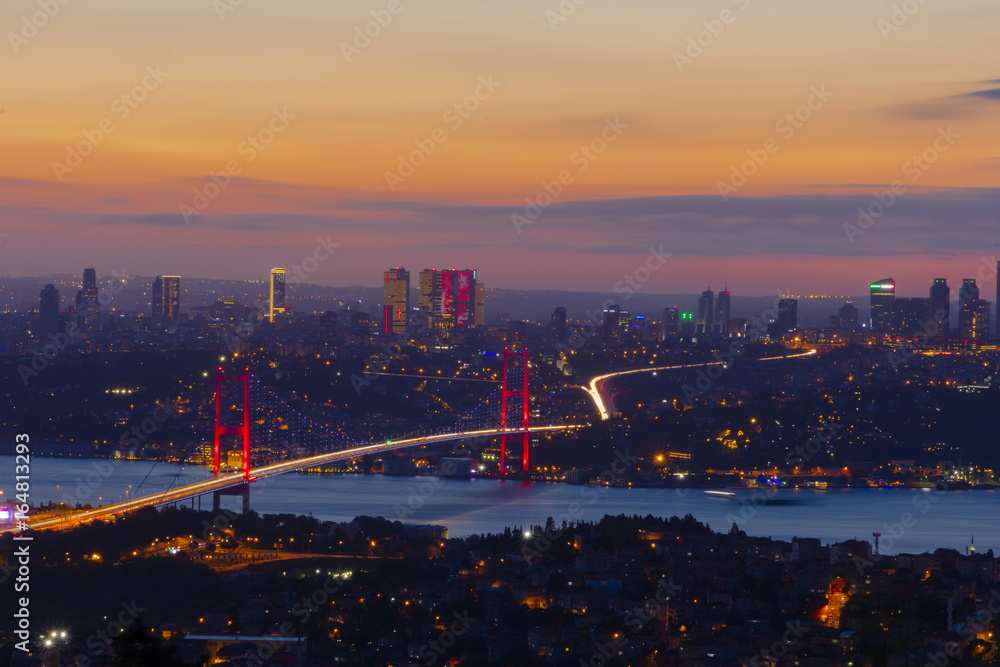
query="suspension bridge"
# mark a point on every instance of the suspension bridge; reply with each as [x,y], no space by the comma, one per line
[274,436]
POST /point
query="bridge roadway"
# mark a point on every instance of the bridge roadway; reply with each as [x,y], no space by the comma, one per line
[217,484]
[605,403]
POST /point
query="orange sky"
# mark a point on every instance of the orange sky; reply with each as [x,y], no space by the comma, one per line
[556,86]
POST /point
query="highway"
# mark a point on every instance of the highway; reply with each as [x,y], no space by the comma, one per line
[208,486]
[605,404]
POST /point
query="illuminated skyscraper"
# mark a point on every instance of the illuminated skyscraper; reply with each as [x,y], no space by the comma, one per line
[968,293]
[276,301]
[941,313]
[671,322]
[48,310]
[156,303]
[429,297]
[911,317]
[171,299]
[480,310]
[705,312]
[721,319]
[788,318]
[395,301]
[883,293]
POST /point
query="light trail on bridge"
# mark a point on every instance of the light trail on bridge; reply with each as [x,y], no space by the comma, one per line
[605,404]
[224,482]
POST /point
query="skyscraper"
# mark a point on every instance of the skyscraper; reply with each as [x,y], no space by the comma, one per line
[87,305]
[968,293]
[171,299]
[396,300]
[941,309]
[48,310]
[883,293]
[671,322]
[788,318]
[721,319]
[848,316]
[559,324]
[156,303]
[276,300]
[911,317]
[974,318]
[705,312]
[480,310]
[429,297]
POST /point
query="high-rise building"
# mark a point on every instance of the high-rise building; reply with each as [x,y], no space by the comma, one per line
[612,322]
[788,318]
[721,319]
[171,299]
[705,313]
[480,310]
[48,310]
[974,319]
[671,322]
[451,297]
[88,308]
[911,317]
[883,293]
[396,300]
[941,313]
[848,318]
[429,297]
[967,293]
[156,303]
[276,298]
[559,324]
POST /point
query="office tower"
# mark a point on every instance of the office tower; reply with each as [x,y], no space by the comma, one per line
[559,324]
[671,322]
[911,317]
[967,293]
[276,300]
[974,319]
[883,293]
[156,303]
[788,317]
[48,310]
[396,300]
[848,318]
[87,304]
[429,297]
[721,319]
[705,312]
[361,323]
[941,313]
[612,319]
[171,299]
[458,290]
[480,311]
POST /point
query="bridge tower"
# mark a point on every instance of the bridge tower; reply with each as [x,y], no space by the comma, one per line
[515,386]
[242,432]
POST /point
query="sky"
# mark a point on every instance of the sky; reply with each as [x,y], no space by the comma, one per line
[548,144]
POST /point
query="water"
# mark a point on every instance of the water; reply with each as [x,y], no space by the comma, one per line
[921,520]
